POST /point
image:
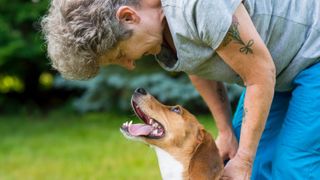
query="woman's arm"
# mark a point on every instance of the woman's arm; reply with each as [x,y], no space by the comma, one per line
[215,96]
[245,52]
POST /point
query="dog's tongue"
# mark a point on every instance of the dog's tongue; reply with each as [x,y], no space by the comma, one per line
[139,129]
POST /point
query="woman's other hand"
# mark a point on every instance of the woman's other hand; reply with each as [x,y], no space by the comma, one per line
[227,145]
[237,168]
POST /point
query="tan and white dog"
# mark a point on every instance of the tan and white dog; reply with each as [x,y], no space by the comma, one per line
[185,150]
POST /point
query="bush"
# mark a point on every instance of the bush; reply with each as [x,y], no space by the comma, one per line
[112,90]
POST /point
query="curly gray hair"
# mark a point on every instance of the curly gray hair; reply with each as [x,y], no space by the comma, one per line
[78,32]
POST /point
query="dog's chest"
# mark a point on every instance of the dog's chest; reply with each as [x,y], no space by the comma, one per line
[170,168]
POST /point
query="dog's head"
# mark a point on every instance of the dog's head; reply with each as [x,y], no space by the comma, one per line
[163,125]
[175,130]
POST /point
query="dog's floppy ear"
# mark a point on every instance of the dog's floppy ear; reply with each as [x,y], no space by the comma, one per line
[205,162]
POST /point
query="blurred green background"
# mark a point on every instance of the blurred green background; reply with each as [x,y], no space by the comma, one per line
[51,128]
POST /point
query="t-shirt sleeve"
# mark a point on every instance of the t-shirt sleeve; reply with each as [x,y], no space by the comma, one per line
[211,19]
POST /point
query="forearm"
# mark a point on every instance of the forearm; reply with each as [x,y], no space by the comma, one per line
[215,96]
[256,109]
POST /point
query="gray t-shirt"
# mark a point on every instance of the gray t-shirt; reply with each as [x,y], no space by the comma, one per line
[289,28]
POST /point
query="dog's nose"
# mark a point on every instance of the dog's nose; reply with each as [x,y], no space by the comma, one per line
[141,91]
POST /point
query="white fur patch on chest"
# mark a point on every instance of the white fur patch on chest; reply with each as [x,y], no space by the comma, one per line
[170,168]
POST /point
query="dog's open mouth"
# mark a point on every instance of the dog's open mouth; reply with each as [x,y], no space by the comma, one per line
[150,129]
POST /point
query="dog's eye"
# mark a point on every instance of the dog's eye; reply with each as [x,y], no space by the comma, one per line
[176,109]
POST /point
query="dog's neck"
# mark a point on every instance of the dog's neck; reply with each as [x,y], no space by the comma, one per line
[170,167]
[197,163]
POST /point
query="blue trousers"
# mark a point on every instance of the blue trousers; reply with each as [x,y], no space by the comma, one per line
[289,148]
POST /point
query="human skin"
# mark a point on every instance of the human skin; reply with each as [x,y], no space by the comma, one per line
[243,51]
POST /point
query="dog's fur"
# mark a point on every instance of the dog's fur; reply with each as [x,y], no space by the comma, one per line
[185,150]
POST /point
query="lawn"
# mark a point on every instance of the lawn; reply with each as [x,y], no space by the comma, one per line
[74,146]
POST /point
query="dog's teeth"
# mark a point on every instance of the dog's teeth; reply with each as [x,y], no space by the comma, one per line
[130,123]
[151,121]
[154,132]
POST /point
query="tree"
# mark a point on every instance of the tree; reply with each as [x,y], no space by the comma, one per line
[22,49]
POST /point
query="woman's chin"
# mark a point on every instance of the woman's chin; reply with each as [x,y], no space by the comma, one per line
[157,50]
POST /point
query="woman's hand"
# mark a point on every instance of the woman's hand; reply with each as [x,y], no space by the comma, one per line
[237,169]
[227,145]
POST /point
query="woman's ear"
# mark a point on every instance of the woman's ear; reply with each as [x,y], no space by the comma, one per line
[127,15]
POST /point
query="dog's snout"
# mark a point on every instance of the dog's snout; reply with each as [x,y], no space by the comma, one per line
[141,91]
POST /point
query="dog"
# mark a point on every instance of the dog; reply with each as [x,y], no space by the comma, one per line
[185,150]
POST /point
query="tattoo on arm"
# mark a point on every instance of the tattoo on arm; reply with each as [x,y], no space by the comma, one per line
[221,93]
[234,35]
[245,111]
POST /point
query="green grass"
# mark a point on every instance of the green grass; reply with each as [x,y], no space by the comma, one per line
[68,146]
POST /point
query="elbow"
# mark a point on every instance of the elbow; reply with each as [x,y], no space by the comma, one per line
[265,78]
[268,74]
[269,79]
[267,71]
[271,75]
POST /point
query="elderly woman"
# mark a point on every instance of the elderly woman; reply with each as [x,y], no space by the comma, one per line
[270,47]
